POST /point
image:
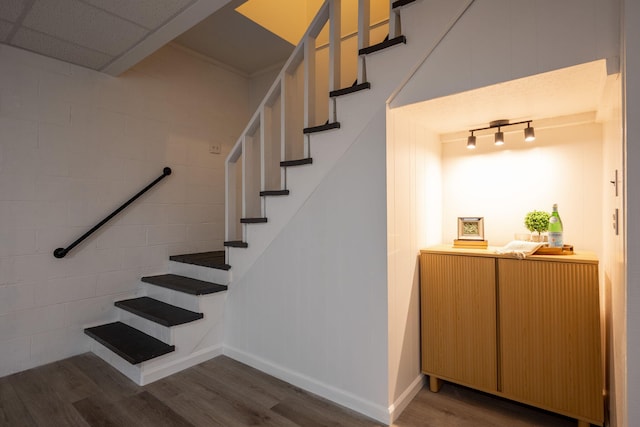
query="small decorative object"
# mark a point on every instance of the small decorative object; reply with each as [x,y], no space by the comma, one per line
[470,228]
[537,221]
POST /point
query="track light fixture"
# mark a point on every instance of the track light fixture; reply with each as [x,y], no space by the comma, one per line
[471,141]
[499,137]
[529,133]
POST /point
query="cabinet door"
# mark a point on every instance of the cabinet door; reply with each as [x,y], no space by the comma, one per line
[458,302]
[550,336]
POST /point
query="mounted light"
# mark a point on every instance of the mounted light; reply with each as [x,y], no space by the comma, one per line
[499,138]
[471,141]
[529,134]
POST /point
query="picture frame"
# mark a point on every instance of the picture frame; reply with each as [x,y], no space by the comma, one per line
[470,228]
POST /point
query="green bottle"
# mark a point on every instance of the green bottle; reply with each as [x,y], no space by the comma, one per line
[555,229]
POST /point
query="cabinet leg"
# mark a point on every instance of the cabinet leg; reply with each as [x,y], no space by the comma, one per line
[582,423]
[436,383]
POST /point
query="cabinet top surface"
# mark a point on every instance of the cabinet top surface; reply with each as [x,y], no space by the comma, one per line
[490,252]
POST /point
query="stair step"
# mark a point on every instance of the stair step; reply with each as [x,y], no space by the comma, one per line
[158,311]
[129,343]
[321,128]
[236,244]
[274,193]
[184,284]
[399,3]
[298,162]
[350,89]
[380,46]
[252,220]
[213,259]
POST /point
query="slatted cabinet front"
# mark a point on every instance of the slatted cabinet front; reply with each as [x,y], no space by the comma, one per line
[459,319]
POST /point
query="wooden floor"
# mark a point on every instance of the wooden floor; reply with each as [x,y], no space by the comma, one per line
[85,391]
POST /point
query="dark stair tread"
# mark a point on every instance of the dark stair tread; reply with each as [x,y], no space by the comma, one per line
[184,284]
[299,162]
[383,45]
[236,244]
[399,3]
[253,220]
[129,343]
[350,89]
[213,259]
[321,128]
[274,193]
[158,311]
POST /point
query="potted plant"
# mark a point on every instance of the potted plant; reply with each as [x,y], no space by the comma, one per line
[537,221]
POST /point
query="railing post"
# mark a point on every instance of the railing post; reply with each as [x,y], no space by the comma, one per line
[309,81]
[364,18]
[395,28]
[265,139]
[335,45]
[243,193]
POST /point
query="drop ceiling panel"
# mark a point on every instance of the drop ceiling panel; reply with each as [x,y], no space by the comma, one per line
[10,10]
[113,35]
[83,25]
[5,29]
[50,46]
[147,13]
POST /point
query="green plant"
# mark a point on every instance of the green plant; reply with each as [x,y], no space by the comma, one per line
[537,221]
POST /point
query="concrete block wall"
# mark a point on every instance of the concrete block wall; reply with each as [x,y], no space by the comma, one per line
[74,145]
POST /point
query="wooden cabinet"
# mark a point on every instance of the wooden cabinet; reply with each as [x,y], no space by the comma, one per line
[460,305]
[527,330]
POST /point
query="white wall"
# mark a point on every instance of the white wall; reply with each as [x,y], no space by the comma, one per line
[414,221]
[613,292]
[631,70]
[313,307]
[74,145]
[259,84]
[499,40]
[563,165]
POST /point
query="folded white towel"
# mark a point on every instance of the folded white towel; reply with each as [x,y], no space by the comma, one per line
[519,248]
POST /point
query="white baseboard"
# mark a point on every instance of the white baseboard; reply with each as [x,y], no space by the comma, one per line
[406,397]
[150,375]
[373,410]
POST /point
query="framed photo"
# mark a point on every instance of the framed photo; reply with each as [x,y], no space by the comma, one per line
[470,228]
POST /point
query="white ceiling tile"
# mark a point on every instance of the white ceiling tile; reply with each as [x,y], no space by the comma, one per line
[5,29]
[84,25]
[49,46]
[148,13]
[10,10]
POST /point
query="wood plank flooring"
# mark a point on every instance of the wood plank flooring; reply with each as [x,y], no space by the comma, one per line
[85,391]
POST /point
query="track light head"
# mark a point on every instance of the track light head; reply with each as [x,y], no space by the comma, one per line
[529,133]
[499,137]
[471,141]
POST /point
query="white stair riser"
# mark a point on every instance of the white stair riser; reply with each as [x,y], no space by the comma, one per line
[211,306]
[169,296]
[133,372]
[214,275]
[156,330]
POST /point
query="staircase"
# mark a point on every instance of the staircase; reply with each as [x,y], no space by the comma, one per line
[176,320]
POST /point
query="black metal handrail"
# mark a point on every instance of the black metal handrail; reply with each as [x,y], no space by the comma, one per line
[61,252]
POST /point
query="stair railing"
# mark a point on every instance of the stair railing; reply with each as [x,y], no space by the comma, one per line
[298,99]
[62,252]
